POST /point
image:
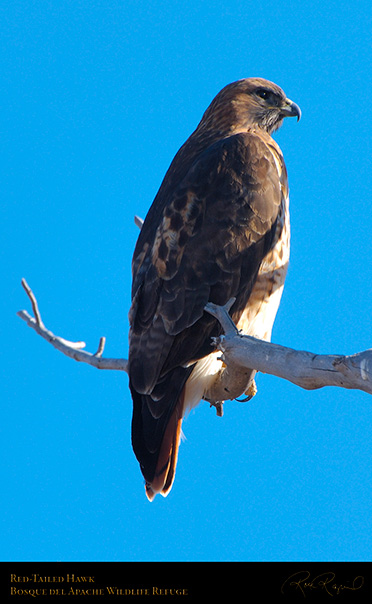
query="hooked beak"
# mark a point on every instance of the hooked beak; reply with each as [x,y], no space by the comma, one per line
[290,109]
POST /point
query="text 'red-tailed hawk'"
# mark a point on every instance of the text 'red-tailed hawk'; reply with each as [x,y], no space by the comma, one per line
[218,228]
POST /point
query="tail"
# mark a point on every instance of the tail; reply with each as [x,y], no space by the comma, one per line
[165,470]
[156,432]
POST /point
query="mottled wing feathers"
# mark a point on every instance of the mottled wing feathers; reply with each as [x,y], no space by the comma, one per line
[203,241]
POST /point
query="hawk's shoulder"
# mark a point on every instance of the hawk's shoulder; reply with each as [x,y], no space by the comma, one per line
[240,170]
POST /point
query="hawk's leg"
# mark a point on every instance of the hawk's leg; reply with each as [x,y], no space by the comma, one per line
[219,407]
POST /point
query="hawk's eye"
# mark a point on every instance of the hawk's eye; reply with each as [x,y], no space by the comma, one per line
[263,94]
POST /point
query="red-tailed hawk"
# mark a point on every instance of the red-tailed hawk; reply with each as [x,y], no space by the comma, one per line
[218,228]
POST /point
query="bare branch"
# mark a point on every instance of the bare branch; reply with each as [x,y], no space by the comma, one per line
[138,221]
[101,347]
[35,307]
[305,369]
[222,314]
[242,356]
[70,349]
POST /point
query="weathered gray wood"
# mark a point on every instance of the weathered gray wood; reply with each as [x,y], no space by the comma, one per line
[240,353]
[305,369]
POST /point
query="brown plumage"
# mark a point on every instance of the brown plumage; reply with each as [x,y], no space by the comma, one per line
[218,228]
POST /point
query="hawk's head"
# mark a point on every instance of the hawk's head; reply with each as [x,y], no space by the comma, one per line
[250,103]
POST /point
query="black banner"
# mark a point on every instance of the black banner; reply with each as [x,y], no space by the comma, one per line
[185,582]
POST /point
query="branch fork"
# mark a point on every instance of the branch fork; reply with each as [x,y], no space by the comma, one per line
[74,350]
[305,369]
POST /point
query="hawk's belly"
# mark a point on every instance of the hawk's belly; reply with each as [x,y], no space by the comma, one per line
[258,317]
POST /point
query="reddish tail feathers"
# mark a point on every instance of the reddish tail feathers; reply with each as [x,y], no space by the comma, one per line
[167,461]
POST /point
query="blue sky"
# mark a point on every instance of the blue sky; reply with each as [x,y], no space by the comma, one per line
[96,99]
